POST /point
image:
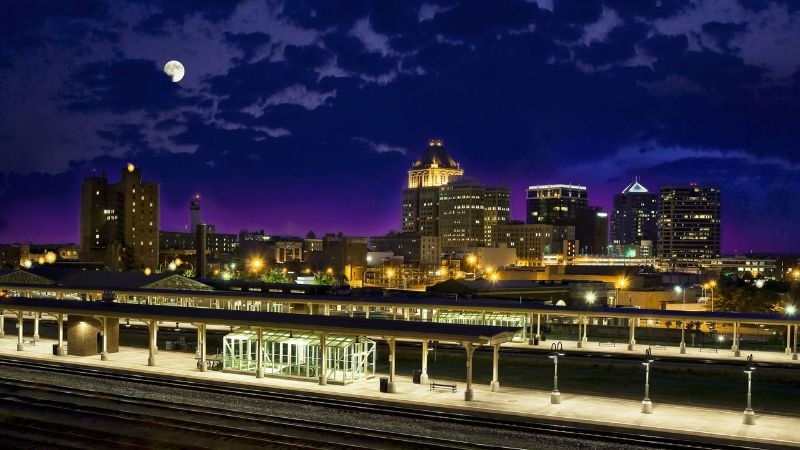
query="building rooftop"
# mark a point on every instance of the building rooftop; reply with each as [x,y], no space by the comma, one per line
[275,321]
[436,154]
[635,188]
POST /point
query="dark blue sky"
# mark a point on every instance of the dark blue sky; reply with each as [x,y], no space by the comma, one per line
[303,115]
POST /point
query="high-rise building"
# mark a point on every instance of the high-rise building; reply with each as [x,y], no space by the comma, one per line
[421,198]
[464,207]
[689,224]
[634,218]
[556,204]
[497,211]
[591,231]
[120,222]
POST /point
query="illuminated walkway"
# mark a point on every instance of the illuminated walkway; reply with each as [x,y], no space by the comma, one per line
[530,403]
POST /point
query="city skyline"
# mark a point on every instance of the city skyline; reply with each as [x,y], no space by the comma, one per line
[289,121]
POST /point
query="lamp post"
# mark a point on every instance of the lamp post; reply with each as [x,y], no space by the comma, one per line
[678,290]
[712,284]
[790,311]
[556,350]
[647,405]
[620,286]
[749,415]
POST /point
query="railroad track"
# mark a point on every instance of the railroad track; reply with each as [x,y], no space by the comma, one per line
[347,433]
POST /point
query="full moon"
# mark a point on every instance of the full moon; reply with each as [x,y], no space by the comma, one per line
[174,69]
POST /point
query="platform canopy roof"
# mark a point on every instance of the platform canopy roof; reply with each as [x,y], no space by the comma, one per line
[477,334]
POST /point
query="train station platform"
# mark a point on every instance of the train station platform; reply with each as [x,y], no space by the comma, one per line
[721,353]
[620,413]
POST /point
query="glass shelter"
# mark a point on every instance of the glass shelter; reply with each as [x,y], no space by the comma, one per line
[484,318]
[297,355]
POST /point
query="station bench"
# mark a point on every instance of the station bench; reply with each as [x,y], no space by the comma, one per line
[451,387]
[607,344]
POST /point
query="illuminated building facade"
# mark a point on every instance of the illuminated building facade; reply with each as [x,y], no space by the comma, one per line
[421,198]
[556,204]
[689,224]
[120,222]
[634,218]
[532,241]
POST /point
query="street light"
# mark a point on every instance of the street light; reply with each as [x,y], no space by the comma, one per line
[713,284]
[621,283]
[791,310]
[749,415]
[590,298]
[647,405]
[556,350]
[678,290]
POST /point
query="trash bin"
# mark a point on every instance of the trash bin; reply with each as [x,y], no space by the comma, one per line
[55,349]
[536,341]
[384,384]
[417,374]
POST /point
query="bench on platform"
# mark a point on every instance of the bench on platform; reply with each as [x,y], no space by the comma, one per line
[607,344]
[451,387]
[708,349]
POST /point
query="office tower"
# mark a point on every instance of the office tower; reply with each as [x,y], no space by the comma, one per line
[464,205]
[497,211]
[689,224]
[194,213]
[556,204]
[591,231]
[120,222]
[634,218]
[421,198]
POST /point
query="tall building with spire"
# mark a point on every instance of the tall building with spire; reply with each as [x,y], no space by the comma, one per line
[634,219]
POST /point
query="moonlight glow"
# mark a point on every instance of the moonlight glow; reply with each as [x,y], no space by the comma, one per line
[174,69]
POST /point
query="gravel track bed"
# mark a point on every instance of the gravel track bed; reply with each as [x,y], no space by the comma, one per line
[484,435]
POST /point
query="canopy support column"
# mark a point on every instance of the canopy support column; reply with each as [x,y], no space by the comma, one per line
[794,353]
[323,360]
[2,323]
[61,350]
[20,347]
[202,348]
[581,334]
[538,327]
[151,337]
[392,356]
[470,348]
[260,353]
[735,346]
[495,386]
[423,378]
[104,352]
[36,326]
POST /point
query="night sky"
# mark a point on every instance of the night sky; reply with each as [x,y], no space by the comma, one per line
[303,115]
